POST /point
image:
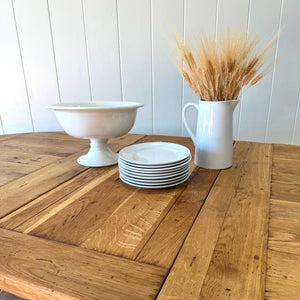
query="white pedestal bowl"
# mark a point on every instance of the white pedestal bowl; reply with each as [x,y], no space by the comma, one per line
[98,122]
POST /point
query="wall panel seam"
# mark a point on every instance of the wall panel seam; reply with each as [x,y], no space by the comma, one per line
[86,50]
[242,95]
[53,51]
[22,64]
[182,80]
[274,71]
[151,66]
[119,49]
[295,121]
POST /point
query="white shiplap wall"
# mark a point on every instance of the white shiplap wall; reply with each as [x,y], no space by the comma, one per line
[89,50]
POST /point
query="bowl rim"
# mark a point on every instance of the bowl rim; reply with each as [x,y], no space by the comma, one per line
[98,105]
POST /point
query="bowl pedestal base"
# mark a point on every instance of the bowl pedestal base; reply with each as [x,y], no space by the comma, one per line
[99,155]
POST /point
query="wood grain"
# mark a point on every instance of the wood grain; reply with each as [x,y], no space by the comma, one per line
[25,189]
[241,250]
[31,186]
[284,235]
[286,191]
[225,251]
[286,180]
[286,152]
[285,210]
[127,229]
[282,289]
[5,137]
[283,277]
[284,227]
[136,219]
[284,265]
[209,234]
[27,159]
[47,270]
[286,170]
[75,217]
[164,244]
[30,213]
[8,174]
[47,146]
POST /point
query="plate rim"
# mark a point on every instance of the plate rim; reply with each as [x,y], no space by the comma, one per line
[153,170]
[156,187]
[121,153]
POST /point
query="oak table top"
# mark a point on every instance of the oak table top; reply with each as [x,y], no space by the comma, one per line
[73,232]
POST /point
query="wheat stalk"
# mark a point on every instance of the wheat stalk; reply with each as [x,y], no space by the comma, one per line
[219,69]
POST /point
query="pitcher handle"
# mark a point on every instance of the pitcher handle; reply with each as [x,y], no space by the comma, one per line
[185,122]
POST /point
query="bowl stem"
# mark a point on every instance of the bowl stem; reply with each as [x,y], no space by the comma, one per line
[99,155]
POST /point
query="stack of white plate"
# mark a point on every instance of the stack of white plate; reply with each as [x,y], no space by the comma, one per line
[154,165]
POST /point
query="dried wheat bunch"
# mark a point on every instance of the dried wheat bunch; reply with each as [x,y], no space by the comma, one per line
[218,69]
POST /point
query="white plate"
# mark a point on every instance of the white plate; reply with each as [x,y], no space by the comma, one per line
[187,159]
[152,170]
[157,153]
[154,181]
[155,175]
[153,186]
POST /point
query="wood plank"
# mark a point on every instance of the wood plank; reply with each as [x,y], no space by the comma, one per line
[88,210]
[126,230]
[225,251]
[5,137]
[284,265]
[285,210]
[80,215]
[284,170]
[165,243]
[284,226]
[27,188]
[8,175]
[21,191]
[282,289]
[47,269]
[77,215]
[15,164]
[26,159]
[20,167]
[44,145]
[285,191]
[284,236]
[136,219]
[30,213]
[286,152]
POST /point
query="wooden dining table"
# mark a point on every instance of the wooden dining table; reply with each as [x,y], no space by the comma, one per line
[72,232]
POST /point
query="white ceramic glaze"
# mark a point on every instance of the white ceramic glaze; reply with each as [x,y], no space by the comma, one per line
[97,121]
[153,186]
[154,154]
[213,140]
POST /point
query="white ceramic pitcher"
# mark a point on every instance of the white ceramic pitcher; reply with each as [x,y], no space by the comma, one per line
[213,140]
